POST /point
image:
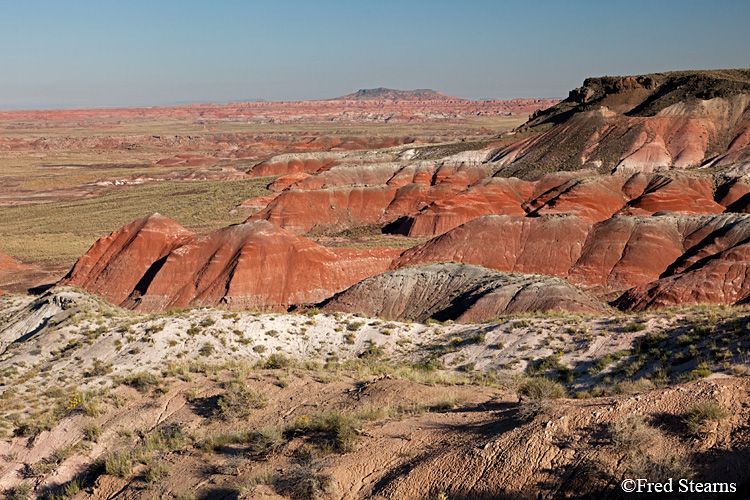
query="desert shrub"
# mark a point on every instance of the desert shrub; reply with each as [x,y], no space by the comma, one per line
[541,388]
[659,466]
[633,386]
[218,441]
[239,401]
[601,363]
[306,483]
[699,415]
[19,492]
[372,352]
[634,327]
[156,472]
[266,477]
[537,396]
[354,325]
[206,349]
[98,369]
[142,381]
[701,371]
[634,433]
[118,464]
[67,490]
[266,441]
[92,432]
[277,360]
[648,454]
[341,429]
[446,403]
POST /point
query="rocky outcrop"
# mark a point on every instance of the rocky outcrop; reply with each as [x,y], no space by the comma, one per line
[639,124]
[494,196]
[712,270]
[627,251]
[459,292]
[591,198]
[433,197]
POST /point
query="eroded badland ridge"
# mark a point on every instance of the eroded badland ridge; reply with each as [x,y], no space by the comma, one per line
[392,294]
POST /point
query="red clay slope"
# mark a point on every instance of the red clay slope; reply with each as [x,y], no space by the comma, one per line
[154,264]
[115,264]
[670,260]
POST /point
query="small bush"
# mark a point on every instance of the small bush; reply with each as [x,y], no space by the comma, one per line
[634,327]
[142,381]
[634,434]
[354,325]
[19,492]
[306,483]
[633,386]
[660,466]
[118,465]
[240,401]
[541,388]
[277,360]
[699,415]
[92,432]
[372,352]
[266,441]
[648,454]
[540,393]
[702,371]
[207,349]
[342,429]
[156,472]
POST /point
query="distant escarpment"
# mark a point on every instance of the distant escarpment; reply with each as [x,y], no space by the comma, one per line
[639,124]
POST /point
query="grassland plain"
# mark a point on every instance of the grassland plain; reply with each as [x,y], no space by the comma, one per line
[59,233]
[32,169]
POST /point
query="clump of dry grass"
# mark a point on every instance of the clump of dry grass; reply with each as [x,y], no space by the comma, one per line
[648,452]
[700,415]
[537,396]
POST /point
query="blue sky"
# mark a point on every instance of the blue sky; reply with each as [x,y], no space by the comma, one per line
[128,53]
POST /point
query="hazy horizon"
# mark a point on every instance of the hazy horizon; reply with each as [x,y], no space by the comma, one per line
[84,54]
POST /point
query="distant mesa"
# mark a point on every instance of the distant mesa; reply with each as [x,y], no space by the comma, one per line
[382,93]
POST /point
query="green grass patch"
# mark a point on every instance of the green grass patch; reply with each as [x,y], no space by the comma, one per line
[59,233]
